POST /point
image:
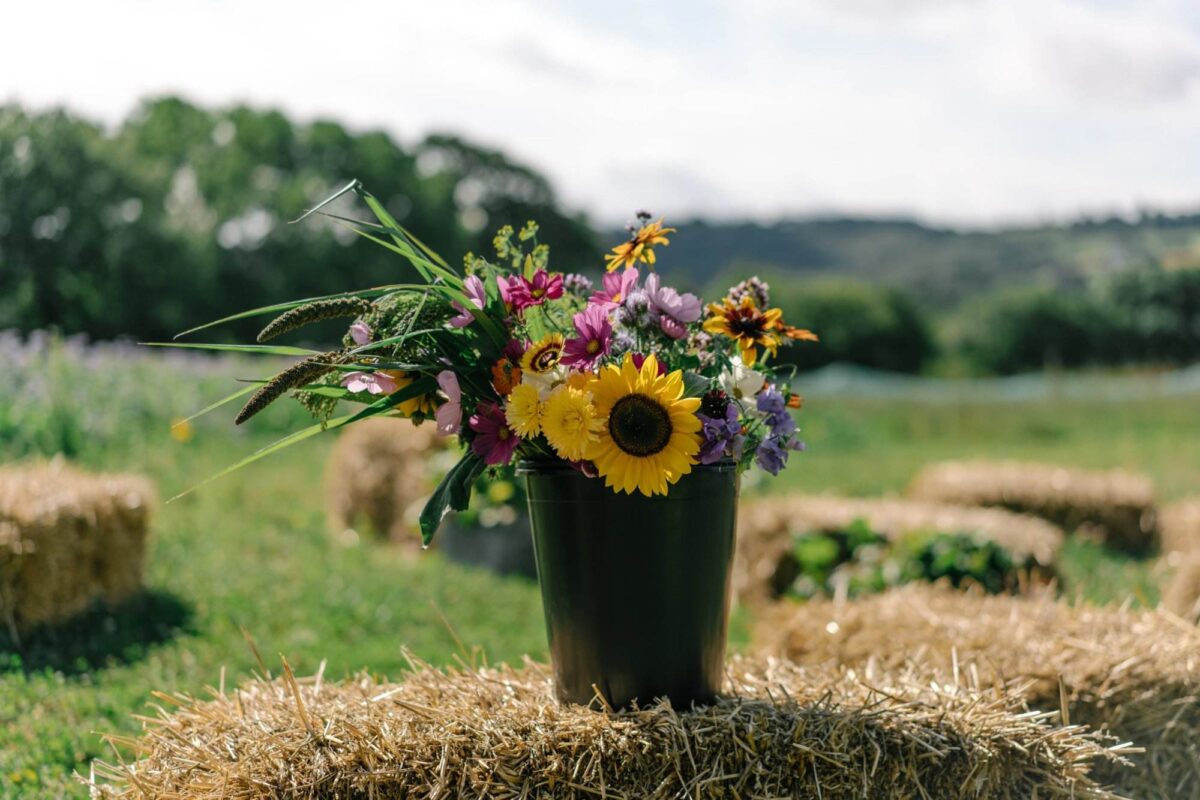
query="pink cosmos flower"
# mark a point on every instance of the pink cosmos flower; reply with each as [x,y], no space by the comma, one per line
[494,442]
[673,310]
[449,414]
[593,342]
[617,286]
[524,293]
[360,333]
[506,287]
[370,382]
[640,358]
[473,288]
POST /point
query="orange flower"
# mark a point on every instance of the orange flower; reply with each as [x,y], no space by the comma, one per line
[640,247]
[751,327]
[505,375]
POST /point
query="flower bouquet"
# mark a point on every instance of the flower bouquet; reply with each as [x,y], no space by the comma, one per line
[629,407]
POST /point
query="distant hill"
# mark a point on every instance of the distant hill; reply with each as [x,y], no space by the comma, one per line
[937,266]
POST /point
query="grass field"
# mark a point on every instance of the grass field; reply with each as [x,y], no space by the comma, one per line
[250,552]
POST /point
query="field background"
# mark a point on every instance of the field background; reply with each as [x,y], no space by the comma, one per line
[251,552]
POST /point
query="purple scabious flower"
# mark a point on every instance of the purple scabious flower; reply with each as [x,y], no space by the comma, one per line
[720,434]
[593,342]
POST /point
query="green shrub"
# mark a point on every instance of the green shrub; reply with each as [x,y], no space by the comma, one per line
[862,561]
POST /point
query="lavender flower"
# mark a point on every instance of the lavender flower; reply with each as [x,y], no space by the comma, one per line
[773,405]
[670,309]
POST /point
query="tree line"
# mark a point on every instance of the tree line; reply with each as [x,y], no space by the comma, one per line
[179,215]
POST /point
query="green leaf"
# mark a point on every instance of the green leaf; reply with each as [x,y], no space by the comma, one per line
[454,492]
[695,384]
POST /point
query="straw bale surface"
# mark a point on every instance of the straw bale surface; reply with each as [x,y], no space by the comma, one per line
[1179,523]
[766,528]
[1181,595]
[789,732]
[67,540]
[376,479]
[1116,506]
[1133,673]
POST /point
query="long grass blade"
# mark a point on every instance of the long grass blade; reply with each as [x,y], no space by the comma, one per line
[349,187]
[261,349]
[214,406]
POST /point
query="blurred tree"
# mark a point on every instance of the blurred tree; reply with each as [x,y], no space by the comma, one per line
[179,216]
[1159,312]
[858,323]
[492,191]
[1031,329]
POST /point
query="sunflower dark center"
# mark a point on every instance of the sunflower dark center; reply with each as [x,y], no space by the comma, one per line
[545,360]
[747,323]
[639,425]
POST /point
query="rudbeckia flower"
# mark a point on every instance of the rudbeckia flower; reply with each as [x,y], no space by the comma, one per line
[752,327]
[640,247]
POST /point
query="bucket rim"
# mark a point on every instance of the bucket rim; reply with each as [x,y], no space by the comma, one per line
[529,466]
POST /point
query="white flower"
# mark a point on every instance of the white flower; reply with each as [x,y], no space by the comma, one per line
[741,383]
[545,382]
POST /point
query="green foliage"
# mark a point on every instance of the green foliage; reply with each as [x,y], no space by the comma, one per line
[862,561]
[858,323]
[1159,312]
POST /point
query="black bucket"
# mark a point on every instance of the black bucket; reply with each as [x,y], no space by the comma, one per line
[635,589]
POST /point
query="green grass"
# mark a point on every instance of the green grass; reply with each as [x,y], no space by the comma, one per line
[251,552]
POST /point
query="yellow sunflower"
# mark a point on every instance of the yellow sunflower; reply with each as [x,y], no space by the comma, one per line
[640,247]
[651,436]
[752,327]
[570,422]
[523,411]
[542,356]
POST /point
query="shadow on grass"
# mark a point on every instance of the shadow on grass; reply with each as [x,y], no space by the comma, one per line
[99,637]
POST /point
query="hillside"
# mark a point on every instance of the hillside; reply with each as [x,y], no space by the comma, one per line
[936,266]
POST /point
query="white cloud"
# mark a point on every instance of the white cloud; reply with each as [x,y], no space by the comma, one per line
[972,110]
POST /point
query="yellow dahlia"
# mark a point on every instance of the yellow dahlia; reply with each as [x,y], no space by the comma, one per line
[652,433]
[523,410]
[570,422]
[641,246]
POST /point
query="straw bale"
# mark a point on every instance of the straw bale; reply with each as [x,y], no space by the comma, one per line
[376,480]
[1179,524]
[784,731]
[767,527]
[1135,674]
[67,540]
[1181,595]
[1116,506]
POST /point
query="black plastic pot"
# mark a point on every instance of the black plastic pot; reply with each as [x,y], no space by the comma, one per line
[635,589]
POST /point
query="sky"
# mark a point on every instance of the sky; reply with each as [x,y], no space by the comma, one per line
[967,112]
